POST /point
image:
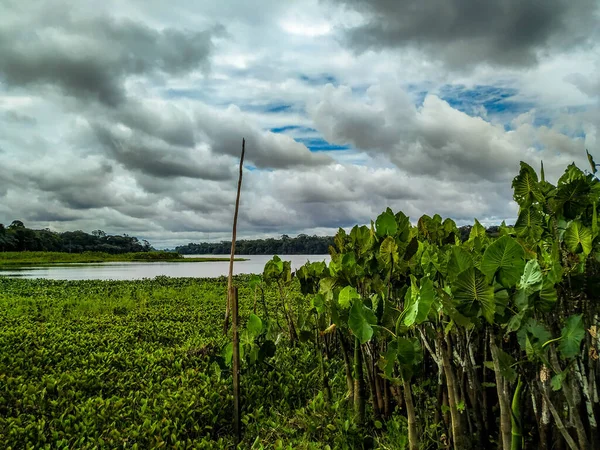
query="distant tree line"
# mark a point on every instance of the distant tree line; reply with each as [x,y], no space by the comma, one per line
[18,238]
[299,245]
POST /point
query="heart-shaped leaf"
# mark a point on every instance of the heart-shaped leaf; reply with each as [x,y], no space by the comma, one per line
[360,321]
[504,259]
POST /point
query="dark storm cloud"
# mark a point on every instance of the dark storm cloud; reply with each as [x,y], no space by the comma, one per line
[51,216]
[140,152]
[466,32]
[90,57]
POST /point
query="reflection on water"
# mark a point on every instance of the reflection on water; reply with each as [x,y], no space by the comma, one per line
[138,270]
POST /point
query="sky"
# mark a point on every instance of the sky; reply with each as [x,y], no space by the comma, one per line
[128,115]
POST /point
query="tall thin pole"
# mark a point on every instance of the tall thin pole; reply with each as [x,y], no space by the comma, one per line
[232,309]
[235,216]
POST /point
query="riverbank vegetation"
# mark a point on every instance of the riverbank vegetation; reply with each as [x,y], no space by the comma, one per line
[286,245]
[18,238]
[49,258]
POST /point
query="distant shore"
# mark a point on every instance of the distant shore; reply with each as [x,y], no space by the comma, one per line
[49,258]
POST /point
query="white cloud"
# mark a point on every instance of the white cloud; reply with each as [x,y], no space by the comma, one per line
[134,124]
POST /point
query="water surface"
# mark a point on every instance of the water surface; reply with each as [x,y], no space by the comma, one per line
[137,270]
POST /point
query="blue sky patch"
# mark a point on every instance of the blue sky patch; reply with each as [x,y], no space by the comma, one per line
[496,100]
[296,128]
[317,144]
[278,108]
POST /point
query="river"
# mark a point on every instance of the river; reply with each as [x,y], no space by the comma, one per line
[139,270]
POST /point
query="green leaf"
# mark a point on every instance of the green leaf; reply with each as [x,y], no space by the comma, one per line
[505,361]
[346,296]
[349,262]
[504,259]
[421,299]
[471,290]
[318,302]
[526,186]
[557,381]
[578,238]
[515,321]
[389,251]
[532,336]
[255,281]
[360,321]
[411,249]
[411,306]
[390,358]
[227,353]
[547,297]
[529,223]
[459,261]
[361,239]
[478,231]
[591,161]
[571,336]
[405,351]
[532,279]
[386,224]
[326,285]
[254,326]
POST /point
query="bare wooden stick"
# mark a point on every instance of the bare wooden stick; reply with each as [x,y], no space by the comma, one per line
[235,216]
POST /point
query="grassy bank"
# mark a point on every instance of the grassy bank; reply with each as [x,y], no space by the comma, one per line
[48,258]
[138,364]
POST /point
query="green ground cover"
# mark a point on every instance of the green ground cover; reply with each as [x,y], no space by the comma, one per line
[136,364]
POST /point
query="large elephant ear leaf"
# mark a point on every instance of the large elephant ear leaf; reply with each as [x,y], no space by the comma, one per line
[472,292]
[459,261]
[526,186]
[578,238]
[571,336]
[346,296]
[361,320]
[418,301]
[532,277]
[529,223]
[388,250]
[386,225]
[477,231]
[504,259]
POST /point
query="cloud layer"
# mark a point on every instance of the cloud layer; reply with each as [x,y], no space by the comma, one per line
[468,32]
[130,119]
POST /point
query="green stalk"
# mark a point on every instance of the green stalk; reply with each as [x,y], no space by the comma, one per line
[359,386]
[516,418]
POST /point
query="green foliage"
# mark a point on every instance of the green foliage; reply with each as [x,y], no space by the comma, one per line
[361,320]
[346,296]
[578,238]
[571,336]
[386,224]
[503,259]
[474,294]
